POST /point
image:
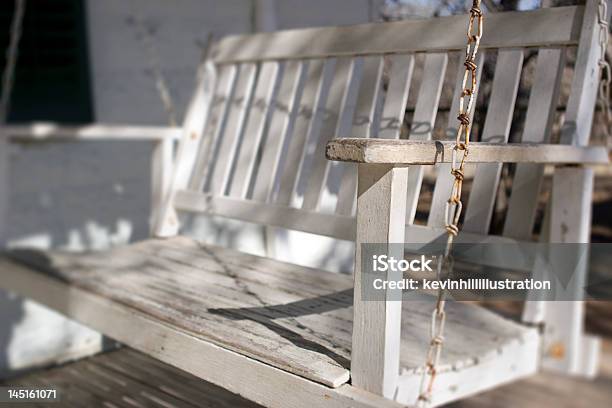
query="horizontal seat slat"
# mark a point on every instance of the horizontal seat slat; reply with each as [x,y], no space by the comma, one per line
[547,27]
[149,296]
[378,151]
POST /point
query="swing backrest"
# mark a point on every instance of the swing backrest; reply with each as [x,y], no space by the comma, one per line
[275,99]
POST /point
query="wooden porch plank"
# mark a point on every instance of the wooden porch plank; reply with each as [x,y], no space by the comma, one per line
[126,378]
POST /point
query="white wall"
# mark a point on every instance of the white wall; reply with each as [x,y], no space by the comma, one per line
[312,13]
[94,195]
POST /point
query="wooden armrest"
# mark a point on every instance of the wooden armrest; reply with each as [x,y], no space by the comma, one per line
[393,151]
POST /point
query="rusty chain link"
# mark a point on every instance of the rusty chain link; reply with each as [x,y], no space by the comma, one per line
[605,75]
[454,205]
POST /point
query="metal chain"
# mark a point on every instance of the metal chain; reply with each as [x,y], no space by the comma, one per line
[146,35]
[604,70]
[454,205]
[8,75]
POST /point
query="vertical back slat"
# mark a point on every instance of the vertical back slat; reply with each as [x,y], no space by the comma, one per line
[281,128]
[496,129]
[195,122]
[364,124]
[397,96]
[423,121]
[523,202]
[344,127]
[346,122]
[323,129]
[444,181]
[583,95]
[260,110]
[215,127]
[315,92]
[236,122]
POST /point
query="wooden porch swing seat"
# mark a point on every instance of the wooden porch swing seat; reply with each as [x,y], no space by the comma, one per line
[265,108]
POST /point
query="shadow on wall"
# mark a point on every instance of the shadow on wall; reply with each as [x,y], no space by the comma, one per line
[79,196]
[74,196]
[11,313]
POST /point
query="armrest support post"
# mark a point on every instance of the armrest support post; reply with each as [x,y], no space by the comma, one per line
[161,176]
[381,216]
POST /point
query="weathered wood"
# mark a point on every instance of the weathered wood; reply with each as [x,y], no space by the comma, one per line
[423,121]
[149,296]
[581,103]
[161,177]
[242,375]
[336,226]
[255,325]
[547,389]
[570,221]
[381,216]
[406,152]
[322,128]
[233,132]
[555,26]
[44,131]
[315,93]
[515,361]
[522,204]
[396,99]
[281,129]
[497,129]
[363,123]
[209,147]
[259,116]
[166,222]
